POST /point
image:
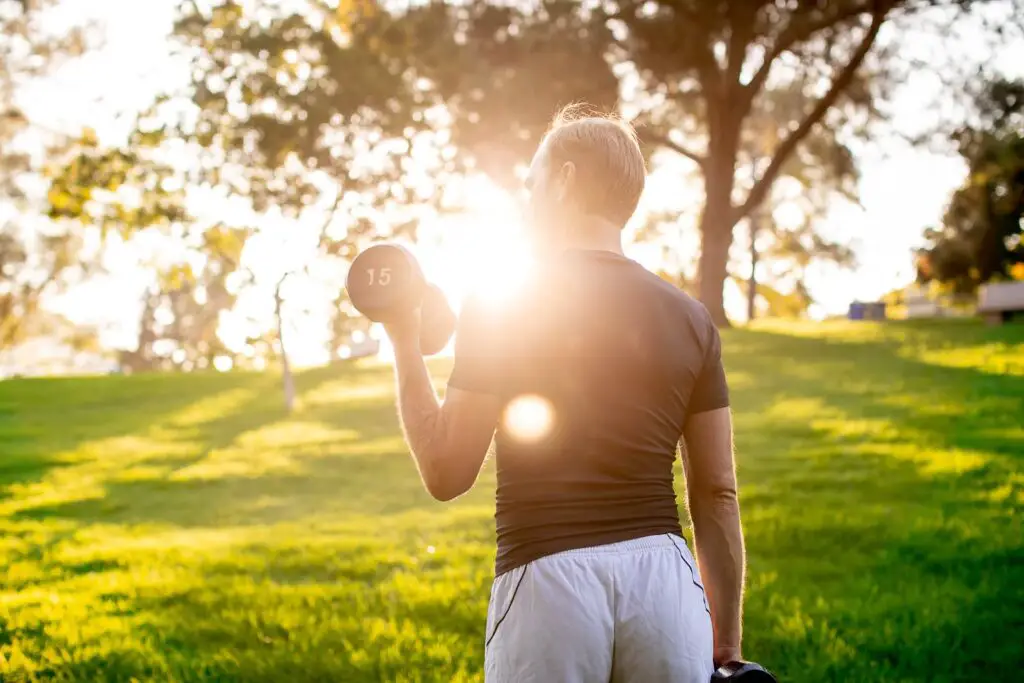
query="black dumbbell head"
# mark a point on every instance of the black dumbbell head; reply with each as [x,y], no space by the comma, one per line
[385,282]
[743,672]
[438,321]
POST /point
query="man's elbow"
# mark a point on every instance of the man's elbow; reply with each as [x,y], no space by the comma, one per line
[447,486]
[445,494]
[444,491]
[715,498]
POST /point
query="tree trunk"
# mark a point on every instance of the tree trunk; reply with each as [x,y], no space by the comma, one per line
[717,220]
[716,226]
[286,370]
[752,283]
[714,260]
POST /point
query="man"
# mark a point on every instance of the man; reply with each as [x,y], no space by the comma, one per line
[594,581]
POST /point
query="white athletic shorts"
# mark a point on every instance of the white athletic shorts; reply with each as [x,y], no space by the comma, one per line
[630,612]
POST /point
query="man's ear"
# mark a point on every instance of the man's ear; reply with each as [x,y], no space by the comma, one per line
[567,180]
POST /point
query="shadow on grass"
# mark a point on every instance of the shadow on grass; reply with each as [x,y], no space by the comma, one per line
[882,500]
[61,422]
[319,486]
[363,471]
[49,418]
[862,568]
[959,407]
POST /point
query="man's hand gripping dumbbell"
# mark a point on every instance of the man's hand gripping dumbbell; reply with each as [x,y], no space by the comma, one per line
[387,285]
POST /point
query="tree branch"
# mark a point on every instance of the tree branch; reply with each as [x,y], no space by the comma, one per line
[196,10]
[702,58]
[797,33]
[669,143]
[839,84]
[741,32]
[332,211]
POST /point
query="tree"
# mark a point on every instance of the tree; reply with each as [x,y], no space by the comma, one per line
[183,306]
[124,192]
[33,253]
[308,101]
[692,74]
[822,170]
[982,233]
[714,66]
[287,105]
[787,252]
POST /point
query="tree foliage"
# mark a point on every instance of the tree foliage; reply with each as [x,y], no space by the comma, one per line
[117,189]
[289,107]
[698,77]
[982,233]
[33,253]
[286,106]
[179,325]
[282,93]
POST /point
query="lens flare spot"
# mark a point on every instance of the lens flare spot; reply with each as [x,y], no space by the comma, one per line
[529,418]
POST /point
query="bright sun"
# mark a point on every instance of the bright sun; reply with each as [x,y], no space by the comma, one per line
[480,253]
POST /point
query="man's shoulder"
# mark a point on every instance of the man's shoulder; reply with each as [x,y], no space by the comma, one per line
[698,311]
[680,298]
[486,308]
[495,318]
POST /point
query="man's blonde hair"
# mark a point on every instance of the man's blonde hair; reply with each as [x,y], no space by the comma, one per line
[610,168]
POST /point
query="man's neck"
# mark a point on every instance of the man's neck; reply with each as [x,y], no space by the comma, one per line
[590,233]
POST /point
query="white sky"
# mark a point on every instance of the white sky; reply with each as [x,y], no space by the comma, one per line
[903,190]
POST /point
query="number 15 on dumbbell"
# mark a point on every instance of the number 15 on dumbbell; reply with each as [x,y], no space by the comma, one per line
[379,277]
[385,283]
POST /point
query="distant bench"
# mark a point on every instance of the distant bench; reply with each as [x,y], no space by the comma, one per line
[999,301]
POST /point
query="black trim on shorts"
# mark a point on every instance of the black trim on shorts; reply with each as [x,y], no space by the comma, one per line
[693,574]
[507,609]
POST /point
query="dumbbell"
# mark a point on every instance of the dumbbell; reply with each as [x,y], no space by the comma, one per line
[385,283]
[742,672]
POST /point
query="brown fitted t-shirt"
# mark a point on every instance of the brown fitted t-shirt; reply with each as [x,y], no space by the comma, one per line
[622,358]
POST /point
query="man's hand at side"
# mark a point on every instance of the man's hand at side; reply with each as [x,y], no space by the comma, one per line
[448,440]
[714,509]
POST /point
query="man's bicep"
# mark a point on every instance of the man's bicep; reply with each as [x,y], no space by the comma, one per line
[470,419]
[709,451]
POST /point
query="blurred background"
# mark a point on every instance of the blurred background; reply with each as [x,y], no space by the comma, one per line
[176,176]
[202,476]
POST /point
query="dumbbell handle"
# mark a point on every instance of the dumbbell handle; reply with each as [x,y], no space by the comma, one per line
[385,283]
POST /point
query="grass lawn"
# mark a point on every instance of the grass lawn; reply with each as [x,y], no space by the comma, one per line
[183,528]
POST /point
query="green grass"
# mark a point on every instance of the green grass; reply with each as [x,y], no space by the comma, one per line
[183,528]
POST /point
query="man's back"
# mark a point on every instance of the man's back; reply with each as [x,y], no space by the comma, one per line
[619,357]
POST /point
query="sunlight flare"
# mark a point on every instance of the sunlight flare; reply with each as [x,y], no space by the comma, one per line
[529,418]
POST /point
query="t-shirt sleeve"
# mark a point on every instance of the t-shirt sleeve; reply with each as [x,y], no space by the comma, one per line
[478,365]
[711,391]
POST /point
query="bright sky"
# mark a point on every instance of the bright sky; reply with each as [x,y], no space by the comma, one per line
[903,190]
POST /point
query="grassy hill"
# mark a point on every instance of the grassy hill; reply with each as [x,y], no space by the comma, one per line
[183,528]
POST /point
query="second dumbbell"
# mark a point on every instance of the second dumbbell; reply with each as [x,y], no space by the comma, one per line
[742,672]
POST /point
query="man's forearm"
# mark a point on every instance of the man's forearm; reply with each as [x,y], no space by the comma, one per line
[419,410]
[718,538]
